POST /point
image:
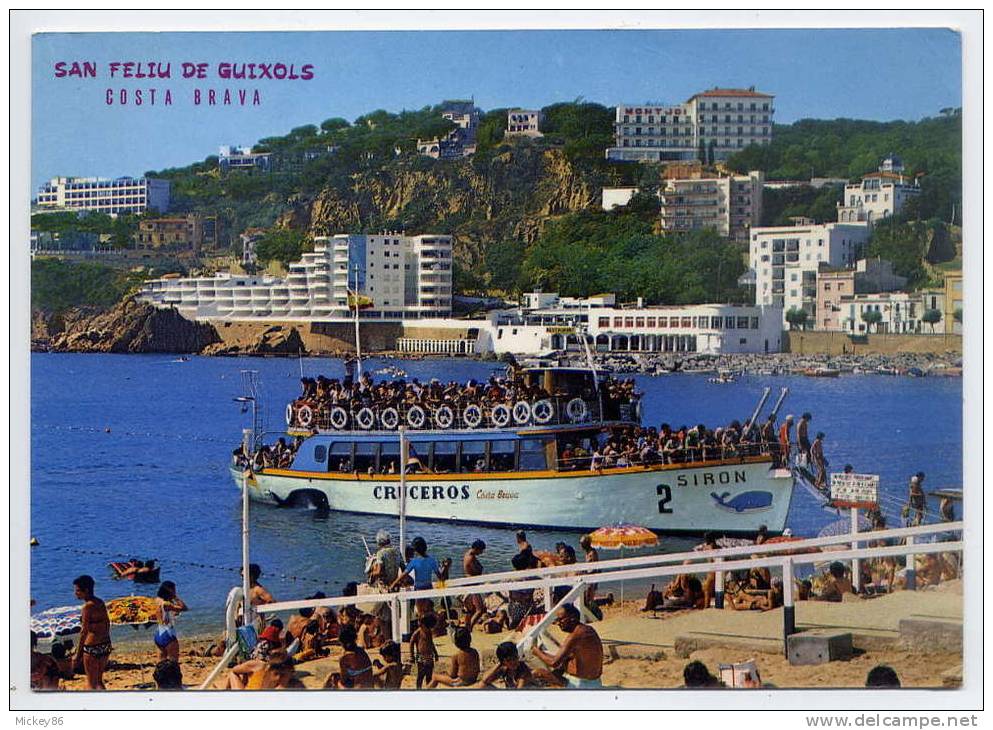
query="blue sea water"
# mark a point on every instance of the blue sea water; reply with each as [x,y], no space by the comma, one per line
[130,453]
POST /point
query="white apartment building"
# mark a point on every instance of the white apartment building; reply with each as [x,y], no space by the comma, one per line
[786,260]
[232,157]
[878,195]
[523,123]
[724,120]
[729,205]
[406,277]
[900,311]
[461,141]
[120,195]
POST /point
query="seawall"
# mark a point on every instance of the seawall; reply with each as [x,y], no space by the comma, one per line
[840,343]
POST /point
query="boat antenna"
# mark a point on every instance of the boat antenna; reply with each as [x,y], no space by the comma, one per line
[355,305]
[761,403]
[589,359]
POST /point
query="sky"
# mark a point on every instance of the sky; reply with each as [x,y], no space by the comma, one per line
[866,74]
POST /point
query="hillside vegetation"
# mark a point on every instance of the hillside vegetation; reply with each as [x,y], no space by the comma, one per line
[526,213]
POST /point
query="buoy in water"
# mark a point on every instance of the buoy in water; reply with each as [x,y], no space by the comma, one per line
[107,430]
[34,542]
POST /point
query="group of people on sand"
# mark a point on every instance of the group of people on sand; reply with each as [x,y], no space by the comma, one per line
[352,394]
[94,646]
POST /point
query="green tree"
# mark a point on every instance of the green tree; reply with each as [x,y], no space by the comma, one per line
[334,124]
[931,317]
[872,318]
[285,245]
[797,318]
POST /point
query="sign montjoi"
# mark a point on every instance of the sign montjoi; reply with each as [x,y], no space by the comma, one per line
[855,488]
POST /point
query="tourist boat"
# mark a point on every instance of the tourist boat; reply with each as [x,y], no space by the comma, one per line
[504,466]
[822,372]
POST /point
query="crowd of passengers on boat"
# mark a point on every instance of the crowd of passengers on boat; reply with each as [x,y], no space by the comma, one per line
[329,404]
[593,449]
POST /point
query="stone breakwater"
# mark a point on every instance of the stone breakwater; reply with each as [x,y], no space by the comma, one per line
[910,364]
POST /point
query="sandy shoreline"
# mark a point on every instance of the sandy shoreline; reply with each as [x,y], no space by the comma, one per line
[133,662]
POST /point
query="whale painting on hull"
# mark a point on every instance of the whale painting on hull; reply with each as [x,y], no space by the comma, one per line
[752,501]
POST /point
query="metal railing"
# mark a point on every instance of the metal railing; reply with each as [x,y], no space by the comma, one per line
[577,577]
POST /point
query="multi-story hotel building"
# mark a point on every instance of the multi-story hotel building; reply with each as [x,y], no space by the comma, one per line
[729,205]
[120,195]
[191,232]
[461,141]
[878,195]
[868,276]
[900,313]
[786,260]
[523,123]
[722,120]
[406,277]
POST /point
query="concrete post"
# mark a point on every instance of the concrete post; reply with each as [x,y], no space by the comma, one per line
[856,572]
[789,609]
[911,567]
[718,585]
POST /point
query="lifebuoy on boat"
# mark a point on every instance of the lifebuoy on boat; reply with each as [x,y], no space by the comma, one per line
[576,410]
[500,415]
[472,416]
[289,414]
[542,411]
[444,417]
[522,412]
[389,418]
[416,417]
[338,418]
[365,418]
[305,416]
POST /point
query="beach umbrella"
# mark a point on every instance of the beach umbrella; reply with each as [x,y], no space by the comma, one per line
[621,536]
[614,537]
[132,610]
[60,621]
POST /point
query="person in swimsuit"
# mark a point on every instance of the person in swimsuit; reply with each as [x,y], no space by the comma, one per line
[579,661]
[464,670]
[355,666]
[422,649]
[167,603]
[276,672]
[473,604]
[803,438]
[510,670]
[45,673]
[423,568]
[93,651]
[389,675]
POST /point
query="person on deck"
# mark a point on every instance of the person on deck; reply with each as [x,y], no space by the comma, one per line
[803,438]
[819,462]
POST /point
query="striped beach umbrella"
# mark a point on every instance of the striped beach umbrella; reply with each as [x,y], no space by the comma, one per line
[616,537]
[60,621]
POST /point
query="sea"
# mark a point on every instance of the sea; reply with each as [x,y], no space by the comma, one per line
[130,454]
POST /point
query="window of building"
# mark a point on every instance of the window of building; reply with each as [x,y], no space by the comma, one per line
[755,323]
[742,340]
[742,323]
[729,323]
[603,322]
[686,322]
[650,322]
[618,322]
[639,322]
[663,322]
[629,322]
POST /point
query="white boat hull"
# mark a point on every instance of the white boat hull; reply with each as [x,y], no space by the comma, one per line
[727,497]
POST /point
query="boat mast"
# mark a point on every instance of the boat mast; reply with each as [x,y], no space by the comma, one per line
[355,304]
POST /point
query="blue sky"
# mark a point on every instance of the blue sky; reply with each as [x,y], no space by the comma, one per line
[866,74]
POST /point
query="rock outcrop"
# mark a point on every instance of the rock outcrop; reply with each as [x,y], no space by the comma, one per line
[128,327]
[275,340]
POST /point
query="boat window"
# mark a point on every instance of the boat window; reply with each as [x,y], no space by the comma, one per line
[533,455]
[418,456]
[365,457]
[320,453]
[340,458]
[446,457]
[502,455]
[389,457]
[473,456]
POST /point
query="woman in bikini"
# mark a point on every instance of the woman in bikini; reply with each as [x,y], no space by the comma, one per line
[355,666]
[167,603]
[94,647]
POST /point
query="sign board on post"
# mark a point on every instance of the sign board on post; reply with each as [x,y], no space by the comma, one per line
[855,490]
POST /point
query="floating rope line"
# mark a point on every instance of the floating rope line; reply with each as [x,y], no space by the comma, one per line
[148,434]
[191,564]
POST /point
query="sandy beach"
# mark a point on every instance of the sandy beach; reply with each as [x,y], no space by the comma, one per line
[641,651]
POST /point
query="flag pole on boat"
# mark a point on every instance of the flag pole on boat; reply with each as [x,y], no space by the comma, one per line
[779,403]
[762,400]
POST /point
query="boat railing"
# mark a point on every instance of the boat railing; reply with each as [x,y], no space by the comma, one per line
[308,414]
[689,455]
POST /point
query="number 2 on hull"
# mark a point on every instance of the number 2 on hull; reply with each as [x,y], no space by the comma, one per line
[665,492]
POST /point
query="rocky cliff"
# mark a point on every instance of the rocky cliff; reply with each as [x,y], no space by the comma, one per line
[129,326]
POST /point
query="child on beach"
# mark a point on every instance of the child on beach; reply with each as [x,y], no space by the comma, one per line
[389,675]
[464,670]
[510,670]
[167,603]
[422,649]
